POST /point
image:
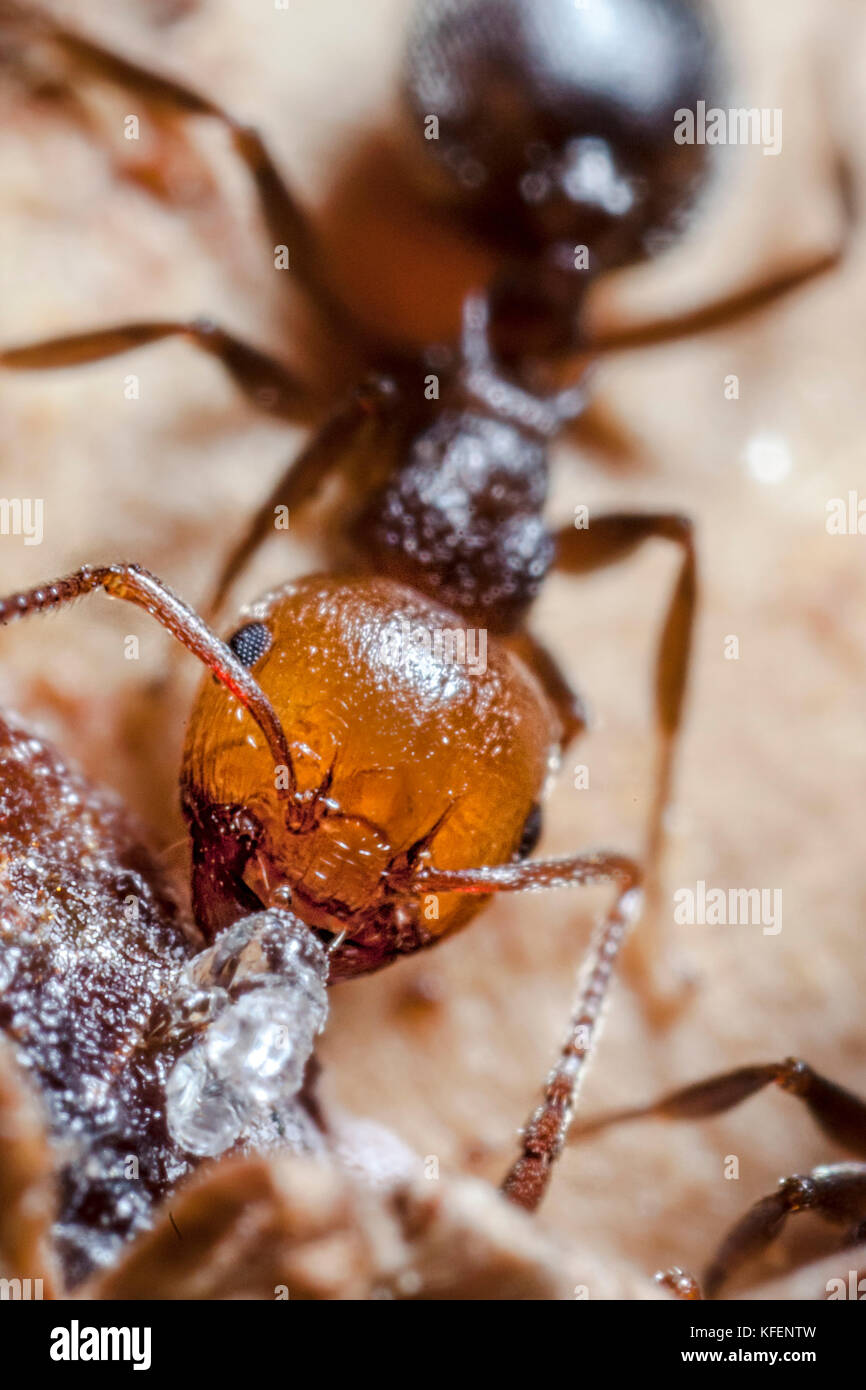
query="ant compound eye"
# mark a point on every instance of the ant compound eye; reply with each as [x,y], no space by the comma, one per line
[250,643]
[530,834]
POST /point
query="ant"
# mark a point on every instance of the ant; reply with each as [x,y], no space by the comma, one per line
[835,1192]
[383,834]
[552,136]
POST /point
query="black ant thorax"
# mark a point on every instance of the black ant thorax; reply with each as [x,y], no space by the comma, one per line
[553,134]
[462,518]
[551,122]
[458,512]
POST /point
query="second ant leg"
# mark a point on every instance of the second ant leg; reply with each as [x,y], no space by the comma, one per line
[285,219]
[726,311]
[325,452]
[263,380]
[547,1127]
[839,1113]
[607,540]
[837,1193]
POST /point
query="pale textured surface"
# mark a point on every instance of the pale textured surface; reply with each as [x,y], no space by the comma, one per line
[771,774]
[267,1228]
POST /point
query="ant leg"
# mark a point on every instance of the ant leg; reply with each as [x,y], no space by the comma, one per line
[838,1113]
[138,586]
[262,379]
[567,702]
[605,541]
[718,314]
[680,1283]
[741,303]
[730,309]
[287,223]
[836,1192]
[546,1129]
[304,475]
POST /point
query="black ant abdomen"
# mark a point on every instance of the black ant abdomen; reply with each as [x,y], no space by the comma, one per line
[551,122]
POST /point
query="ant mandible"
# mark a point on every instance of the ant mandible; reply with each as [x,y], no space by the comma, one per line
[552,130]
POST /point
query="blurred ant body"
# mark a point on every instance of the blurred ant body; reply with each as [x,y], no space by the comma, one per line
[553,132]
[553,136]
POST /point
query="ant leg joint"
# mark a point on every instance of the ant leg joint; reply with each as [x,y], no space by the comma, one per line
[683,524]
[797,1193]
[679,1282]
[204,327]
[794,1076]
[375,392]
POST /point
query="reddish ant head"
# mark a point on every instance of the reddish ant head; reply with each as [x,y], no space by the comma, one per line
[406,740]
[556,120]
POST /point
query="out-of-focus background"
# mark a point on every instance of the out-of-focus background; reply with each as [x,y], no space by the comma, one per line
[449,1050]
